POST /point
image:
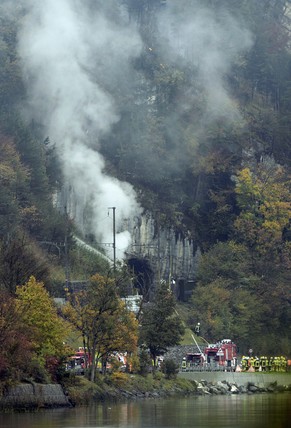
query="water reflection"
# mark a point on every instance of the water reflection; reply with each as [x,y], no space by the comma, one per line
[245,411]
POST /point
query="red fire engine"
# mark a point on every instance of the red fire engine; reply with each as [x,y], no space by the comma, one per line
[79,361]
[222,353]
[218,356]
[194,360]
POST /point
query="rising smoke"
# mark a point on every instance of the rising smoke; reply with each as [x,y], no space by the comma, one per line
[71,54]
[210,41]
[77,56]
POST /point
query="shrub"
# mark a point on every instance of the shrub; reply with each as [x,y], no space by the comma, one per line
[144,362]
[37,372]
[157,375]
[170,368]
[118,379]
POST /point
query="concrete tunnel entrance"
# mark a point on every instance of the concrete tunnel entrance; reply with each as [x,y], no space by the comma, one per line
[143,276]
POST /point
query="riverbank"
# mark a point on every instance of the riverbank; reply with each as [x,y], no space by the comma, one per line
[127,387]
[135,387]
[79,391]
[263,379]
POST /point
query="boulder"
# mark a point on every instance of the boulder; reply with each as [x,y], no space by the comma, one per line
[222,386]
[234,389]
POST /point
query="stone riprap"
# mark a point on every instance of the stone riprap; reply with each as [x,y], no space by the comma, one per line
[224,387]
[263,380]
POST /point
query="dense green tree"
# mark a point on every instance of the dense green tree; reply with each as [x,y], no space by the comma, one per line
[230,261]
[225,312]
[84,264]
[160,325]
[231,299]
[14,188]
[11,82]
[20,258]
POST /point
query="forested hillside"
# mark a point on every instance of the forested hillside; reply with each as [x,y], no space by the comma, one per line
[186,104]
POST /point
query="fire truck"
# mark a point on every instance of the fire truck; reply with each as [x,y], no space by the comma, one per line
[193,361]
[221,354]
[218,356]
[78,361]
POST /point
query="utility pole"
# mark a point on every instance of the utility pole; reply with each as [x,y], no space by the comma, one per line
[114,238]
[159,247]
[67,267]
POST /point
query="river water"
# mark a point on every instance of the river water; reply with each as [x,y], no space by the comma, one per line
[242,411]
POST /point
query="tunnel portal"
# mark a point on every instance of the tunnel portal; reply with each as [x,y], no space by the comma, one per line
[143,275]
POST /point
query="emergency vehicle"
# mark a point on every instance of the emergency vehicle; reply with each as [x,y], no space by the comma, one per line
[222,353]
[193,361]
[218,356]
[78,361]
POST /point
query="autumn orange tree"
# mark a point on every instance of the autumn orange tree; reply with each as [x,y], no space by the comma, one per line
[119,336]
[104,323]
[48,331]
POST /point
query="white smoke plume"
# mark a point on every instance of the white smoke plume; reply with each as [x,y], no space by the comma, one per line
[210,41]
[70,53]
[76,54]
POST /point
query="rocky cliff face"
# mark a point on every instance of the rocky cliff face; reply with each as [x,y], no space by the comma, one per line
[168,255]
[156,253]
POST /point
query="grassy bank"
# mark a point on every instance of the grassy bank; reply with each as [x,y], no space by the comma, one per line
[119,386]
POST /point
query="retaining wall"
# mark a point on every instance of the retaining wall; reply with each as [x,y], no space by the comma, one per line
[34,396]
[240,379]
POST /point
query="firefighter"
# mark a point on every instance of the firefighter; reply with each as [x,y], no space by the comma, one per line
[274,364]
[277,364]
[197,329]
[256,364]
[264,363]
[283,366]
[244,363]
[252,361]
[184,364]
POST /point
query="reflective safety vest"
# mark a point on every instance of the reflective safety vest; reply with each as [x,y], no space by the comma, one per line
[244,362]
[252,361]
[283,364]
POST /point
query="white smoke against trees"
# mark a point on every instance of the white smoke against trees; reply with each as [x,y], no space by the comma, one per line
[210,41]
[71,54]
[77,59]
